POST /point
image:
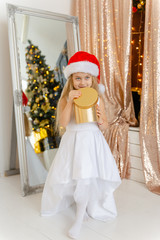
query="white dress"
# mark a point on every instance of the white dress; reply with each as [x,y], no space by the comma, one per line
[83,167]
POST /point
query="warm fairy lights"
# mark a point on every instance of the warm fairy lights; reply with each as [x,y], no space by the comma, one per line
[136,42]
[138,5]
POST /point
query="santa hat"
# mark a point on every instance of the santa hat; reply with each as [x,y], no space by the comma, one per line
[24,99]
[84,62]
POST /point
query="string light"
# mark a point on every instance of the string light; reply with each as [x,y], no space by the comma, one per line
[139,49]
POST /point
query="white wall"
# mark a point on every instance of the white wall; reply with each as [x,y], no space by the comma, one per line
[6,96]
[49,35]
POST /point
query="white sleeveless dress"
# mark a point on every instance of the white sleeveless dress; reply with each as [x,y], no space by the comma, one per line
[82,168]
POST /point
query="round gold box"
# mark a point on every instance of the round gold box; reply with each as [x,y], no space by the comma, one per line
[85,106]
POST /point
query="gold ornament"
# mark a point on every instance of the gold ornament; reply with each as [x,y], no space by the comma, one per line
[51,95]
[142,3]
[46,100]
[37,100]
[139,6]
[34,107]
[36,121]
[44,122]
[35,111]
[45,90]
[55,88]
[46,107]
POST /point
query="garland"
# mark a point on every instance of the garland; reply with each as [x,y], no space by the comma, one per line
[138,5]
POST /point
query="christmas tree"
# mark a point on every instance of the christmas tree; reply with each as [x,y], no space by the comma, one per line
[43,92]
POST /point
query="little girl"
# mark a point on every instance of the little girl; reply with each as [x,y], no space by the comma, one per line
[84,170]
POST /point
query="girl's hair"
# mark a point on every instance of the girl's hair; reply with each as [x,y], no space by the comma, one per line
[65,92]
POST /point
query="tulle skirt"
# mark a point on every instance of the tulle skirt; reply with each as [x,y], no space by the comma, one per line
[83,168]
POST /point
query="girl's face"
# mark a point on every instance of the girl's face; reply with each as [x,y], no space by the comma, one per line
[81,80]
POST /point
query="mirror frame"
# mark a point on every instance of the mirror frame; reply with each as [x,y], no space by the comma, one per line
[16,81]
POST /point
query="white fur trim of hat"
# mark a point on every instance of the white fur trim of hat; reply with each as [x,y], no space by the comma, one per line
[82,66]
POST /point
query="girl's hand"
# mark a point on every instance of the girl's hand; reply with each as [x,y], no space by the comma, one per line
[74,94]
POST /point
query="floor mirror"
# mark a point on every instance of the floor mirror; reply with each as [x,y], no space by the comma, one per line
[41,42]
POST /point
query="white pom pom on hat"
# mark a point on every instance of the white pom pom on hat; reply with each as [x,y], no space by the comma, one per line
[101,88]
[84,62]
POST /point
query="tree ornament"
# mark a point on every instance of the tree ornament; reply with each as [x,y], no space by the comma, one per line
[139,6]
[45,107]
[37,100]
[34,106]
[36,121]
[29,103]
[44,122]
[134,9]
[51,95]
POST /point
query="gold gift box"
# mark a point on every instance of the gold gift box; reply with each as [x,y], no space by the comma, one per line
[85,106]
[38,135]
[37,147]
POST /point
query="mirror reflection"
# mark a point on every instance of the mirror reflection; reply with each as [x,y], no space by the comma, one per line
[44,46]
[42,81]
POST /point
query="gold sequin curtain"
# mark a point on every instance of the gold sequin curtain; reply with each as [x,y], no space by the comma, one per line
[105,31]
[150,98]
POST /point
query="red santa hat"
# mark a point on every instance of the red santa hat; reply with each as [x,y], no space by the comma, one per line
[84,62]
[24,99]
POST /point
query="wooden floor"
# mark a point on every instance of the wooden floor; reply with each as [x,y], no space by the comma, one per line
[138,216]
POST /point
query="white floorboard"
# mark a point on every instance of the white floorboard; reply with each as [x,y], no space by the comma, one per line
[138,216]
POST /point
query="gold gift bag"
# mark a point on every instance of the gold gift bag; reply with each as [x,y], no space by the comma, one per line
[85,106]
